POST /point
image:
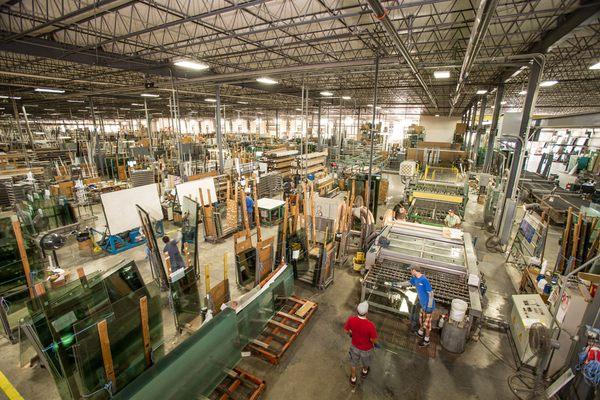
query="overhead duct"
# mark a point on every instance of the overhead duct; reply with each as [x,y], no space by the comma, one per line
[482,21]
[382,17]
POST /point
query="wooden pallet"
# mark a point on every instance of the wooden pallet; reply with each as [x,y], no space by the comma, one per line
[239,384]
[282,329]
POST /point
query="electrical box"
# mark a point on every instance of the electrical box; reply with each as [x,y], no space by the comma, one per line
[570,310]
[527,309]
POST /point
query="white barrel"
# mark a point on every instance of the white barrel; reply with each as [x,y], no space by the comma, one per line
[458,310]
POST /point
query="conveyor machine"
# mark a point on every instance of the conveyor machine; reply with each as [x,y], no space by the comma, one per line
[445,257]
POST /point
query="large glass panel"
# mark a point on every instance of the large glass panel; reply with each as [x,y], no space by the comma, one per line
[195,367]
[126,342]
[185,298]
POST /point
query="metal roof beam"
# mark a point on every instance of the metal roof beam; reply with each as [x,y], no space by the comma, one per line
[382,17]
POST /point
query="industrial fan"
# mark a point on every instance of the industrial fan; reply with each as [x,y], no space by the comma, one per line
[541,344]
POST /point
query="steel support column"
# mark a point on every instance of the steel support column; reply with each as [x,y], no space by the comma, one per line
[472,129]
[148,123]
[532,91]
[277,123]
[372,134]
[218,128]
[480,130]
[319,143]
[493,127]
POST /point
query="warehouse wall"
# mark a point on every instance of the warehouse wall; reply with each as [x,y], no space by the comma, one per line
[575,121]
[439,129]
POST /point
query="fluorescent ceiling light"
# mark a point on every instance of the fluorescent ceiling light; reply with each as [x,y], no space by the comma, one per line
[346,97]
[137,104]
[502,103]
[266,80]
[75,101]
[441,74]
[326,93]
[149,95]
[46,90]
[437,115]
[481,91]
[595,66]
[125,109]
[523,92]
[191,64]
[242,102]
[298,109]
[49,109]
[10,97]
[548,83]
[55,114]
[211,100]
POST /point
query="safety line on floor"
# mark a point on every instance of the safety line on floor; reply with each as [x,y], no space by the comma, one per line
[8,389]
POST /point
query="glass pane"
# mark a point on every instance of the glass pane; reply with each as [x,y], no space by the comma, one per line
[126,342]
[195,367]
[185,298]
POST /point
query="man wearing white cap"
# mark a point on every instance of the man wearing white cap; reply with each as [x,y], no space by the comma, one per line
[364,337]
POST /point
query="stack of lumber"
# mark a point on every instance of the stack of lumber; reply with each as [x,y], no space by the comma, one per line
[310,163]
[280,161]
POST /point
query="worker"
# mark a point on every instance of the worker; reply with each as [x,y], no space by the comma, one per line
[452,220]
[250,208]
[172,250]
[426,301]
[401,213]
[364,338]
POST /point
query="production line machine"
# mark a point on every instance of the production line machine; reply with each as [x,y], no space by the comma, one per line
[430,201]
[446,257]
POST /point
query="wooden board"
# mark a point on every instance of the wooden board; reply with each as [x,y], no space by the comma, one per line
[306,307]
[109,369]
[219,294]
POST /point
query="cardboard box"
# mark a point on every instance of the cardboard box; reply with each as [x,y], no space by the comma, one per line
[461,128]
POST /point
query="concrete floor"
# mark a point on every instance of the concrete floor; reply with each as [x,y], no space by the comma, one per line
[316,365]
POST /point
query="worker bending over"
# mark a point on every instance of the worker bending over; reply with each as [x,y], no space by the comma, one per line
[426,302]
[452,220]
[364,338]
[172,250]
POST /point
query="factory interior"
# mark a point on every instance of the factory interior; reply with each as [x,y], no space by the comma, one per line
[299,199]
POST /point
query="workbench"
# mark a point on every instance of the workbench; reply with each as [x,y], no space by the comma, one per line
[271,211]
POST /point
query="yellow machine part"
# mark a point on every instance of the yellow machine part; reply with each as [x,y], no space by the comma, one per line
[359,260]
[437,196]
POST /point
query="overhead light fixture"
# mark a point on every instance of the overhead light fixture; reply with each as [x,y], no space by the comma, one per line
[55,114]
[47,90]
[437,115]
[298,109]
[10,97]
[210,100]
[137,104]
[346,97]
[595,66]
[49,109]
[523,92]
[326,93]
[191,64]
[75,101]
[481,91]
[267,81]
[125,109]
[502,103]
[149,95]
[548,83]
[242,102]
[441,74]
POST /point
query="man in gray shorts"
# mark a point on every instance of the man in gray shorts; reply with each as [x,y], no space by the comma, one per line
[364,336]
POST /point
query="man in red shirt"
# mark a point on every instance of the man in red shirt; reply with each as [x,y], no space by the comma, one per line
[364,336]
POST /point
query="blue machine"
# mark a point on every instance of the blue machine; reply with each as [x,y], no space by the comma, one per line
[115,244]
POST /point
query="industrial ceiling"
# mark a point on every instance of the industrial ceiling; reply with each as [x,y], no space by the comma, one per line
[111,49]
